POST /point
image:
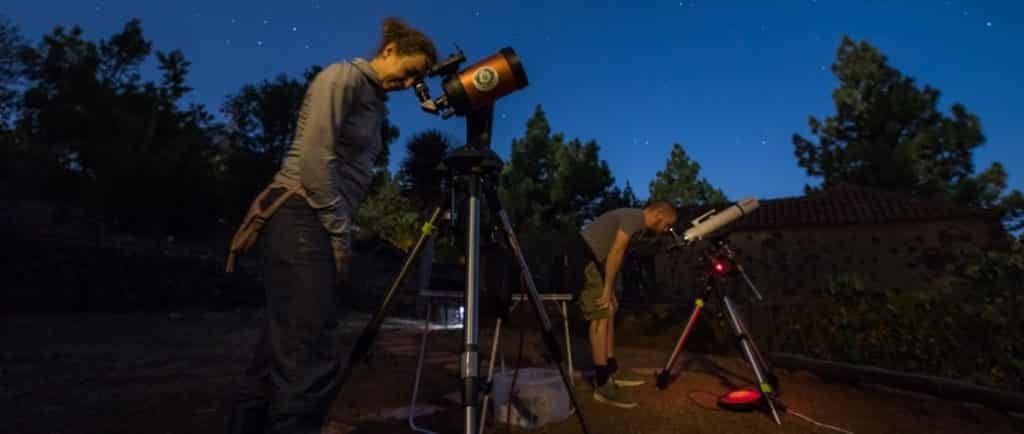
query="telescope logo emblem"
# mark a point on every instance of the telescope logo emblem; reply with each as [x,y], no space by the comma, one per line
[485,79]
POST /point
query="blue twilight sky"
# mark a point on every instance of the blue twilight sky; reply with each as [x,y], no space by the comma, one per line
[729,80]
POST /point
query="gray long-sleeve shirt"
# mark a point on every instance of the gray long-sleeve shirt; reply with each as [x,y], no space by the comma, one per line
[337,138]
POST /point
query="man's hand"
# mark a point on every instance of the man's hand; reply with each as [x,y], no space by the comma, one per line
[606,299]
[611,269]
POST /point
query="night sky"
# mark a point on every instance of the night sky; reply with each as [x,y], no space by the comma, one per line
[729,80]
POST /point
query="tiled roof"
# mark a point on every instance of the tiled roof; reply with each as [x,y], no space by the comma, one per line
[842,205]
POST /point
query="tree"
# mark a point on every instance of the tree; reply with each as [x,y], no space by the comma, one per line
[581,179]
[12,49]
[83,110]
[888,133]
[389,215]
[986,191]
[529,169]
[419,176]
[680,184]
[264,115]
[551,183]
[615,197]
[101,136]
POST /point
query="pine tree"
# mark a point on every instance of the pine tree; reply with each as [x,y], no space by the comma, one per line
[680,182]
[888,133]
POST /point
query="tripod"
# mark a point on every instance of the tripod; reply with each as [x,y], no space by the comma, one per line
[477,164]
[719,263]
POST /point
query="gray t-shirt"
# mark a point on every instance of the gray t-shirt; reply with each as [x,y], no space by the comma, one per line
[337,139]
[600,234]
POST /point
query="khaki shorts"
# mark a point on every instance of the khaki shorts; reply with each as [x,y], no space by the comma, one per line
[593,287]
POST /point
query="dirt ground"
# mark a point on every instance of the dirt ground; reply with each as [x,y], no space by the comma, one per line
[162,374]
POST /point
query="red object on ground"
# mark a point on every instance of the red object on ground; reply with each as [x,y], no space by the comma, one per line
[740,400]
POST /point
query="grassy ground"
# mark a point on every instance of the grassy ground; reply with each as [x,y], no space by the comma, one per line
[102,373]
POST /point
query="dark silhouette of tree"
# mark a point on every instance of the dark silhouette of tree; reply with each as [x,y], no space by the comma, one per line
[419,176]
[888,133]
[581,180]
[119,145]
[12,49]
[14,162]
[615,198]
[680,182]
[550,183]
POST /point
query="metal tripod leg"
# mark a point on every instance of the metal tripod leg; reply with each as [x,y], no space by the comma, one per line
[362,346]
[549,337]
[419,369]
[490,375]
[666,373]
[770,377]
[471,332]
[568,343]
[748,351]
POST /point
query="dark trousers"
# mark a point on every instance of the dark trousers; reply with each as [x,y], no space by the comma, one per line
[292,380]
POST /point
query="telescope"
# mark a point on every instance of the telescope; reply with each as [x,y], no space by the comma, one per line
[475,87]
[471,93]
[710,221]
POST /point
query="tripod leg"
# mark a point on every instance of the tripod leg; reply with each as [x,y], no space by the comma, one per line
[365,340]
[748,351]
[568,340]
[490,375]
[471,333]
[538,305]
[666,373]
[769,376]
[419,369]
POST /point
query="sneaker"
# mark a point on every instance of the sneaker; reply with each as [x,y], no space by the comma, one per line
[626,380]
[611,394]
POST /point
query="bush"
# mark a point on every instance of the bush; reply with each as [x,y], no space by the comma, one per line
[390,216]
[968,326]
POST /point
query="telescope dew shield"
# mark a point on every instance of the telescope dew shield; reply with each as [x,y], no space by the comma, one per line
[485,82]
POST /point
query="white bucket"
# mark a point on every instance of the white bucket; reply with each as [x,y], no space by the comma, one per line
[541,397]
